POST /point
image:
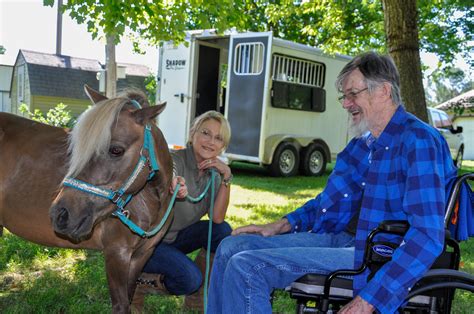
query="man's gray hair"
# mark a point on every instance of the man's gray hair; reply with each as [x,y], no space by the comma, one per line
[376,69]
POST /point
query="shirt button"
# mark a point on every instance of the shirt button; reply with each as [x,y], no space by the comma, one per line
[324,210]
[370,161]
[296,227]
[386,148]
[346,195]
[363,183]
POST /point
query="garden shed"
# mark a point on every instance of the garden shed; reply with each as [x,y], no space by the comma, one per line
[461,108]
[42,80]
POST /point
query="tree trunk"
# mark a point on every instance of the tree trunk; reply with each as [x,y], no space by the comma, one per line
[111,68]
[401,29]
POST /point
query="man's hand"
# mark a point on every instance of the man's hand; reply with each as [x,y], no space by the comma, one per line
[183,189]
[267,230]
[359,306]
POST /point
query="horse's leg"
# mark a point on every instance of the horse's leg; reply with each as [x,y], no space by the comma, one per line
[117,266]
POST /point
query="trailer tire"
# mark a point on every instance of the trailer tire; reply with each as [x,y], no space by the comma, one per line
[313,160]
[285,161]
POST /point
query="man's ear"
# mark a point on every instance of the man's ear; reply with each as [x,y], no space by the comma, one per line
[142,116]
[93,95]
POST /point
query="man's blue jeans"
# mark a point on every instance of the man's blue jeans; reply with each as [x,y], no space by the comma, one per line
[248,267]
[181,275]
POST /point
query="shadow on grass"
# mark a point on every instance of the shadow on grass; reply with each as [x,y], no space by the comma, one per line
[63,282]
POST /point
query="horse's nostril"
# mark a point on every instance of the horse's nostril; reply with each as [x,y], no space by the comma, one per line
[62,218]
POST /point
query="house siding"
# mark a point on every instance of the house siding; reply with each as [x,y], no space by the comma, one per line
[75,106]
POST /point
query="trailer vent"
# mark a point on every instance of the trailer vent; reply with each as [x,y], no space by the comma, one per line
[298,71]
[248,58]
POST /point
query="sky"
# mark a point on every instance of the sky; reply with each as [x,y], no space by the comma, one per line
[27,24]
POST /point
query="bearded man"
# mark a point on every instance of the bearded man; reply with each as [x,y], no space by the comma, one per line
[395,168]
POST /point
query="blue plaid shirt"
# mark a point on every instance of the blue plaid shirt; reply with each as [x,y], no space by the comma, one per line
[402,175]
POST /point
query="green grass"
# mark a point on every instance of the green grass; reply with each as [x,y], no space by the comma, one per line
[36,279]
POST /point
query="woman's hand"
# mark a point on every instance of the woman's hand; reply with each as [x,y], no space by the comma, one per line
[215,162]
[183,189]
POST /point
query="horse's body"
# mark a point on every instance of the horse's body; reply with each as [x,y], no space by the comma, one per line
[34,205]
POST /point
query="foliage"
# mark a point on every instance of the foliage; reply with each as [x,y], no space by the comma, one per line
[58,116]
[2,50]
[151,88]
[447,84]
[152,21]
[342,26]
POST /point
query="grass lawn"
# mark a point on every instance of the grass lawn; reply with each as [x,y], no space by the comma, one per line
[36,279]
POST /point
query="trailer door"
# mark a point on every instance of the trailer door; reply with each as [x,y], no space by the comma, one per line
[174,89]
[248,55]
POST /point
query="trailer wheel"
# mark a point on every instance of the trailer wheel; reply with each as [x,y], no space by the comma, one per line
[313,160]
[285,161]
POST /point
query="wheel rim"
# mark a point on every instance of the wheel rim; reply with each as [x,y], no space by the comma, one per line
[287,161]
[316,161]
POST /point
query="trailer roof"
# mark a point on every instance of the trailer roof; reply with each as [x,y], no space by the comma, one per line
[212,35]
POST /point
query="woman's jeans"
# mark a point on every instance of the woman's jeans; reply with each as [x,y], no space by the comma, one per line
[181,275]
[247,268]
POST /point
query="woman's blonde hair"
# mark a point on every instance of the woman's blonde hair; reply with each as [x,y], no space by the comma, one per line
[198,122]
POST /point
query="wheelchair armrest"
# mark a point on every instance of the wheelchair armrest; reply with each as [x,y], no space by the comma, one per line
[399,227]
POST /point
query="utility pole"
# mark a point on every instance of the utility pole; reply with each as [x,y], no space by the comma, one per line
[111,67]
[59,28]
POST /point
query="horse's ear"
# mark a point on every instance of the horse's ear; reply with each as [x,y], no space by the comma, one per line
[142,116]
[94,95]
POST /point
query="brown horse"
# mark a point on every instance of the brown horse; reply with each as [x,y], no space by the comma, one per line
[103,150]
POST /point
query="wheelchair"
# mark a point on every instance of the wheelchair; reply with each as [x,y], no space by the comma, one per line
[433,293]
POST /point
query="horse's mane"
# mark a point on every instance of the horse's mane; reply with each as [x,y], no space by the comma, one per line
[91,135]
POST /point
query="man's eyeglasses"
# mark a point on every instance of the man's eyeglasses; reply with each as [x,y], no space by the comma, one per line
[351,95]
[207,135]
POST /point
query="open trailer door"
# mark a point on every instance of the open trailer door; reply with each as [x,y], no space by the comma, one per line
[247,81]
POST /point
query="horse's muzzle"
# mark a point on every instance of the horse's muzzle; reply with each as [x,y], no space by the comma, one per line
[65,223]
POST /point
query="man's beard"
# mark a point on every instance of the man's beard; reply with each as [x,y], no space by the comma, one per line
[357,129]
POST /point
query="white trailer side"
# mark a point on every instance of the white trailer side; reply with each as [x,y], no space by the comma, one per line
[278,96]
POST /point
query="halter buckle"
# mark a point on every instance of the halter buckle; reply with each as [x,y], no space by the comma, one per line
[116,198]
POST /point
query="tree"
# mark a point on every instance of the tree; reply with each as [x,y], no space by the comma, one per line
[336,26]
[403,45]
[350,27]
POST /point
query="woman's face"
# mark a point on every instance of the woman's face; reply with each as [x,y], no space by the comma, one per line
[207,141]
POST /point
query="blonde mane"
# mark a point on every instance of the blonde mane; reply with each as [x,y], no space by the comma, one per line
[90,137]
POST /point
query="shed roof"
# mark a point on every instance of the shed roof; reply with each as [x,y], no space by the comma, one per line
[65,76]
[60,61]
[465,101]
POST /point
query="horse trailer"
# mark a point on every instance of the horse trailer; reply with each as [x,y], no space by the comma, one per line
[279,97]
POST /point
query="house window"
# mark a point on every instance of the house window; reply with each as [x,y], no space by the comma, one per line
[21,84]
[298,84]
[248,58]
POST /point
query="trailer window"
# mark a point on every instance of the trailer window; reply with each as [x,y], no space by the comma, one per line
[298,84]
[298,97]
[248,58]
[298,71]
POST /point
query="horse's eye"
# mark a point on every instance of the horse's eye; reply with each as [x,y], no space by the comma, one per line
[116,151]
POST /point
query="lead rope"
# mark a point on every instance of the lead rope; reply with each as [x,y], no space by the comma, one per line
[210,184]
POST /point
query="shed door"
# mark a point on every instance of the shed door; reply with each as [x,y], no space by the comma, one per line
[246,89]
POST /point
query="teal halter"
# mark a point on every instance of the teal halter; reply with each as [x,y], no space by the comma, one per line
[119,197]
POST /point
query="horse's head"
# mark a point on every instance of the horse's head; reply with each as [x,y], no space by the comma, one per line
[111,159]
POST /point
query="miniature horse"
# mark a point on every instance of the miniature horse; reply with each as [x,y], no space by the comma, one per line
[103,150]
